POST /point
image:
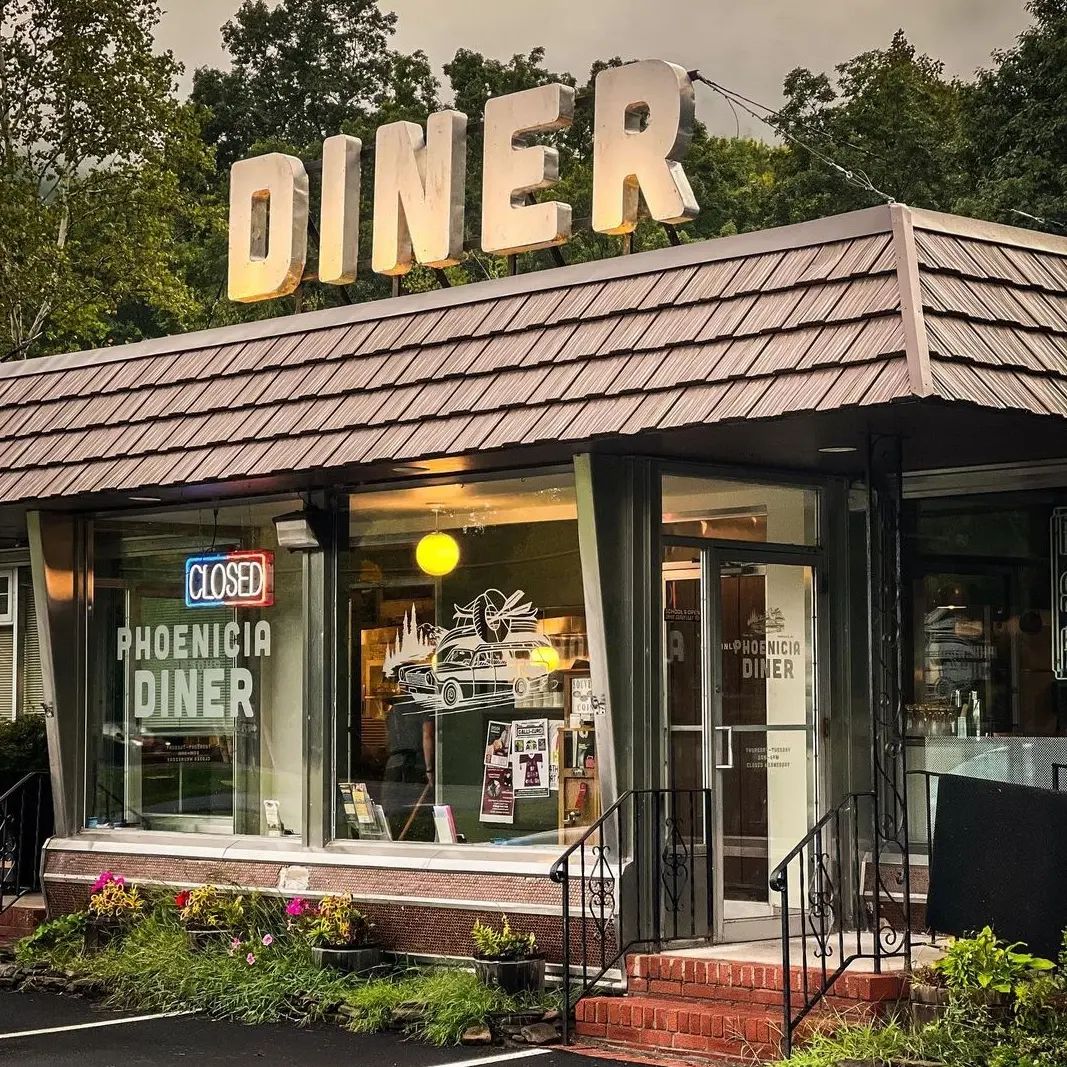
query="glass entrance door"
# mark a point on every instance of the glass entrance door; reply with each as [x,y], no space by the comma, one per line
[740,692]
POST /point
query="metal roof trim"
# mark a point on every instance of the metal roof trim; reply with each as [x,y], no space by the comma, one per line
[980,230]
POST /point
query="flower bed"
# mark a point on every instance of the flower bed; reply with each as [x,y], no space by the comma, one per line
[262,970]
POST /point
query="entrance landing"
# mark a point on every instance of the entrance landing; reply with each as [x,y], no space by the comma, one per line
[726,1002]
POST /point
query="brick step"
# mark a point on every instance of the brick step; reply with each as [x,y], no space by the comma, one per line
[22,917]
[733,981]
[738,1032]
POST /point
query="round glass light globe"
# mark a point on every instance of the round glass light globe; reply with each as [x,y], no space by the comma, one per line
[437,554]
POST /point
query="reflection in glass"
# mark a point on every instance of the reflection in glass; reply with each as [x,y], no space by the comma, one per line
[470,706]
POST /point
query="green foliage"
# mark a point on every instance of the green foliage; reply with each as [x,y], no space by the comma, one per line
[982,962]
[58,939]
[1016,127]
[502,944]
[265,977]
[23,748]
[450,1000]
[334,921]
[94,145]
[302,70]
[207,907]
[1034,1035]
[889,116]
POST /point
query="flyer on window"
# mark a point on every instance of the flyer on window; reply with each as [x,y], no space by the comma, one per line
[498,745]
[498,796]
[554,728]
[530,757]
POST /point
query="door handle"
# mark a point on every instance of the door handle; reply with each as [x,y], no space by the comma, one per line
[729,742]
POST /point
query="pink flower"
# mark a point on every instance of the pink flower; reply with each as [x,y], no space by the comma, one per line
[296,907]
[250,959]
[235,943]
[268,940]
[105,878]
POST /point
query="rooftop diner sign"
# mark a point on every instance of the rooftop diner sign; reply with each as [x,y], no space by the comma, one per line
[642,127]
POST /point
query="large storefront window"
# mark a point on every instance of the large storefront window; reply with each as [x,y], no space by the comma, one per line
[470,711]
[984,700]
[196,643]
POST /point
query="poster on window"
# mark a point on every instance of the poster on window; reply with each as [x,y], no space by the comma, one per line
[498,796]
[554,728]
[530,757]
[498,745]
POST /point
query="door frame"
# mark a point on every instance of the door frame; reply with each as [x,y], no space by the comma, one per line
[713,553]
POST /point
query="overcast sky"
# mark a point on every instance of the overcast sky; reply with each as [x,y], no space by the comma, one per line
[747,45]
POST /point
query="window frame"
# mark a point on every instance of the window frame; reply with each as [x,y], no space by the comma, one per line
[10,575]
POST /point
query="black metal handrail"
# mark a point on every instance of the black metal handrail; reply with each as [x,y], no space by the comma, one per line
[25,824]
[820,882]
[656,840]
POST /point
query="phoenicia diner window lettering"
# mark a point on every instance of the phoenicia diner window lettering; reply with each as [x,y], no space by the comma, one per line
[643,122]
[196,673]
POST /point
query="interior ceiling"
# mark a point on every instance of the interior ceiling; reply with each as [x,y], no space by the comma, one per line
[541,498]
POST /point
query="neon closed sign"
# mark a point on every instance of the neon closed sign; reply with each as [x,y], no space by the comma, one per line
[241,579]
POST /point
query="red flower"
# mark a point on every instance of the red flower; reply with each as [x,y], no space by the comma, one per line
[182,899]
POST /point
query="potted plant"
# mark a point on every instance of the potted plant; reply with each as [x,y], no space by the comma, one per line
[339,934]
[507,959]
[210,917]
[113,907]
[978,970]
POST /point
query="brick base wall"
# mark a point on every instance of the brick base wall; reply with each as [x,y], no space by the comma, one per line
[416,911]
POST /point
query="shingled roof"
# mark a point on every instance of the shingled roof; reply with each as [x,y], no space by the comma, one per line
[861,309]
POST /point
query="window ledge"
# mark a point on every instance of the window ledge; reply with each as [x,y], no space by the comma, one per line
[526,861]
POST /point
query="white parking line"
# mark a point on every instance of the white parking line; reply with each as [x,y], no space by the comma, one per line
[502,1057]
[93,1026]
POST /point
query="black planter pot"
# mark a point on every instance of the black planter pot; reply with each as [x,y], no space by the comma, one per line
[930,1003]
[513,976]
[99,933]
[360,959]
[205,938]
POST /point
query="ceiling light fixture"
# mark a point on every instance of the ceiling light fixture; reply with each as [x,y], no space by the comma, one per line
[296,531]
[437,554]
[838,450]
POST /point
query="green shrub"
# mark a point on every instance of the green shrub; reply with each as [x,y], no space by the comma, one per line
[56,940]
[502,944]
[982,962]
[450,1000]
[23,748]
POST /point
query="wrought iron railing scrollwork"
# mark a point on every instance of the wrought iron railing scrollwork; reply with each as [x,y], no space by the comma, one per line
[25,824]
[640,876]
[825,908]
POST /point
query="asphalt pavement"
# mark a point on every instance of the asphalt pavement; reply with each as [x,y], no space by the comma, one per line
[45,1030]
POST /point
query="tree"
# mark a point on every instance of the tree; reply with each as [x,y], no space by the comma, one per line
[1015,121]
[890,118]
[304,70]
[92,143]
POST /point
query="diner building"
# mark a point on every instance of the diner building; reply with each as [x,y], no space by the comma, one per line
[401,598]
